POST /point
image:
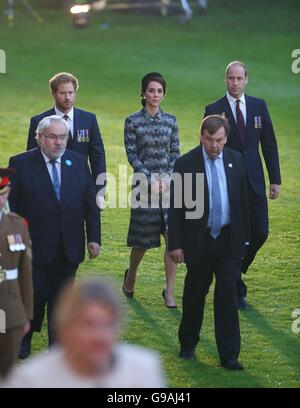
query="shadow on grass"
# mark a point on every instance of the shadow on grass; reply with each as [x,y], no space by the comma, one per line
[165,339]
[286,344]
[206,373]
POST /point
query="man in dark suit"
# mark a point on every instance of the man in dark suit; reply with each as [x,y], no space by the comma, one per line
[250,126]
[54,190]
[211,241]
[84,134]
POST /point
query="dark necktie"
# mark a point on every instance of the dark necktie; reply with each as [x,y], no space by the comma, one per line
[70,139]
[216,205]
[240,122]
[55,179]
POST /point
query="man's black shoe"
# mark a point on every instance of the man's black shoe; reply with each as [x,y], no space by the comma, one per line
[187,354]
[232,365]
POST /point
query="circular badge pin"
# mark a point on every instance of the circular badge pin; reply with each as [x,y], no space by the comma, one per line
[68,163]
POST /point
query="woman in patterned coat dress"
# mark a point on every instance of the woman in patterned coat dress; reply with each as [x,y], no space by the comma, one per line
[152,146]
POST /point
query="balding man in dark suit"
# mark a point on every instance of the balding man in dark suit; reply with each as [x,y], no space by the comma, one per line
[212,241]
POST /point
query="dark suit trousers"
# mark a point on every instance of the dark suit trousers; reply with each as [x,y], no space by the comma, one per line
[47,283]
[215,259]
[259,224]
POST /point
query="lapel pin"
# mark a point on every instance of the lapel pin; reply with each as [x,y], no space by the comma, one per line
[68,163]
[229,164]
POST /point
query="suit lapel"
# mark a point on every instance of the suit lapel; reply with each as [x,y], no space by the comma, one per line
[76,122]
[229,169]
[4,223]
[44,174]
[66,181]
[229,114]
[201,169]
[250,114]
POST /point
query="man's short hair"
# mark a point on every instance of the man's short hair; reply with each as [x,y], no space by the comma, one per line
[213,123]
[62,77]
[237,63]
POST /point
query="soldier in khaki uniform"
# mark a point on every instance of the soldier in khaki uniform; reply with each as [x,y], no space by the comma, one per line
[16,292]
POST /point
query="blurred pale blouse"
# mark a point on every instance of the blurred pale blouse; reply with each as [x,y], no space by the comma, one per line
[132,367]
[88,355]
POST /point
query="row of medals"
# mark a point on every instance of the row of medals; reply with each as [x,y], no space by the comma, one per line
[15,243]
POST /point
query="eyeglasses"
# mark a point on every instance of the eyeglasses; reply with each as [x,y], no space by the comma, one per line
[62,138]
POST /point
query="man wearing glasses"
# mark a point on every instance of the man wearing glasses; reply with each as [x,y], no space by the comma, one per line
[54,190]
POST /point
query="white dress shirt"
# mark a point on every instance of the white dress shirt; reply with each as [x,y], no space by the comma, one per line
[232,103]
[225,218]
[49,166]
[70,120]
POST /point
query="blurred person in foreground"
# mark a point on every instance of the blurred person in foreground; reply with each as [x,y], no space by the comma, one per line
[88,321]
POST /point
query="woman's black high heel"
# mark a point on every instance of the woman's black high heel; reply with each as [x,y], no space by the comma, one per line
[126,293]
[164,297]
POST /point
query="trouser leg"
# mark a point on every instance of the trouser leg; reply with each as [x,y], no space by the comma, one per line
[63,272]
[197,283]
[10,343]
[227,330]
[259,223]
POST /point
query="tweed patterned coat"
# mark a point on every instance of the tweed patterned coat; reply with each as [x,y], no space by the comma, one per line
[152,146]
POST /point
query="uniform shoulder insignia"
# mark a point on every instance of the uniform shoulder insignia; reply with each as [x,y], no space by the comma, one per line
[25,222]
[16,217]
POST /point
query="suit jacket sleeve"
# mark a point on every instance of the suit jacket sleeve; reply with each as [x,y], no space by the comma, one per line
[92,213]
[31,141]
[25,281]
[176,215]
[269,148]
[96,151]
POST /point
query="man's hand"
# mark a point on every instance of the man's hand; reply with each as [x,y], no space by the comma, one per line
[176,255]
[274,191]
[94,249]
[26,327]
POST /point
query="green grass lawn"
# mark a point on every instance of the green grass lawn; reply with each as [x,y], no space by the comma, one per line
[109,64]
